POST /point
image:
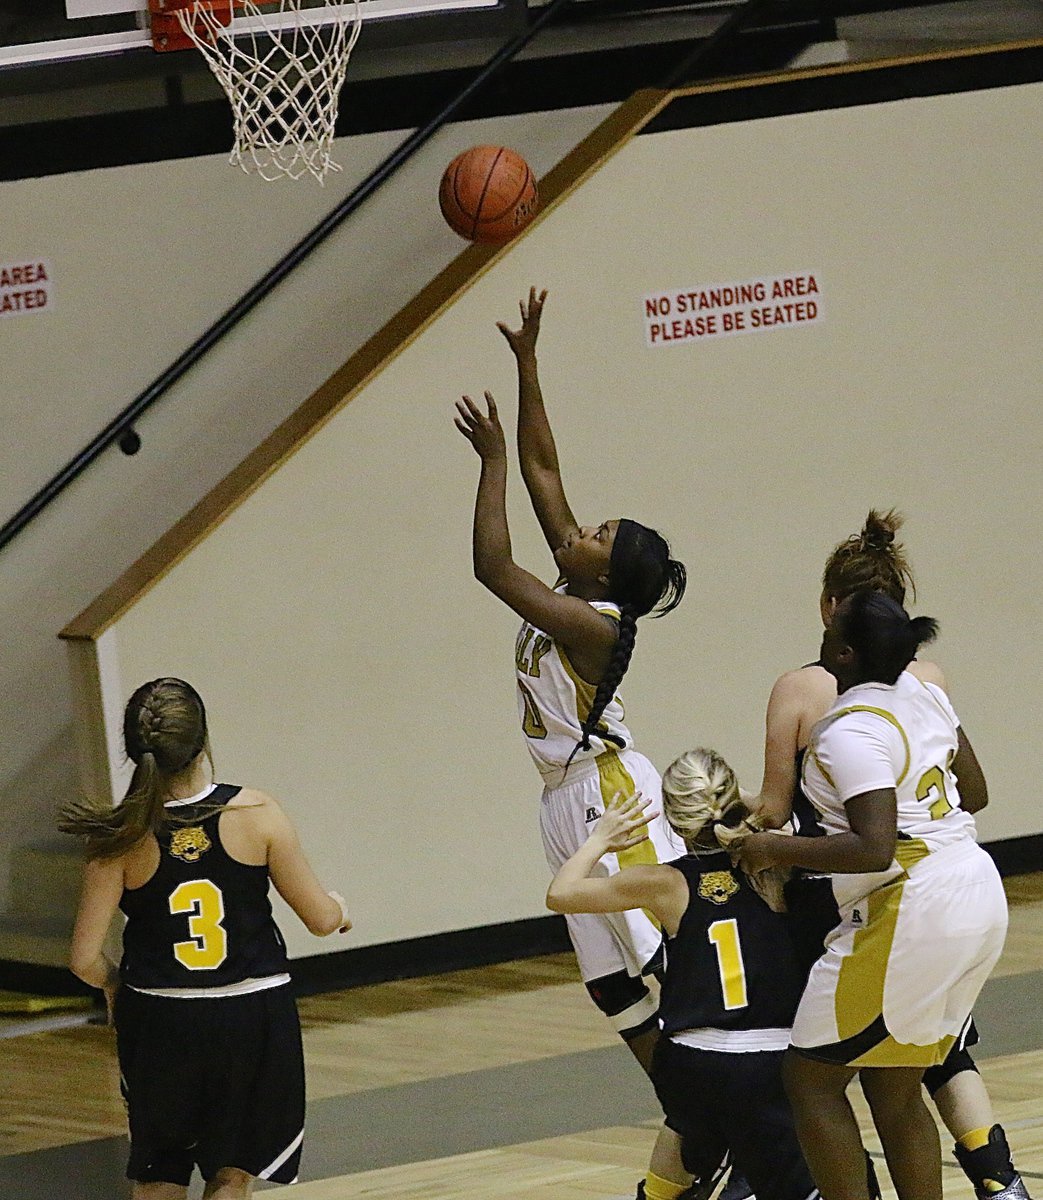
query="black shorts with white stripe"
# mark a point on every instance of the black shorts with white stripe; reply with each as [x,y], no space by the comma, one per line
[212,1083]
[733,1103]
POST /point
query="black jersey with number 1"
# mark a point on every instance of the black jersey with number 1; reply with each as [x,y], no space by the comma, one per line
[204,920]
[731,965]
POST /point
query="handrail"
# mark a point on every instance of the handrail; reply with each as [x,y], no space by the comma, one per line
[718,41]
[122,425]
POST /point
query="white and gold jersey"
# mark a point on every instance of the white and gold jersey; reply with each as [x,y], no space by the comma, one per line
[879,736]
[553,702]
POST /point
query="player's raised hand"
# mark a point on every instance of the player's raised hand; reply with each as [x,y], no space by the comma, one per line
[482,430]
[523,341]
[624,822]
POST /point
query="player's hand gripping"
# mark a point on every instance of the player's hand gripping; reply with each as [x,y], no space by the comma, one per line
[483,431]
[624,823]
[523,341]
[756,852]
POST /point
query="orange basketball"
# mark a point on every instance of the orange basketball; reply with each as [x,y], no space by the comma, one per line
[488,194]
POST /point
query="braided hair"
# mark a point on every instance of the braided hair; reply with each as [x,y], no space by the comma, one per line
[700,793]
[871,560]
[642,578]
[703,806]
[164,730]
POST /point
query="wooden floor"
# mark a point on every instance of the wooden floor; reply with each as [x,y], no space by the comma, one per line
[59,1088]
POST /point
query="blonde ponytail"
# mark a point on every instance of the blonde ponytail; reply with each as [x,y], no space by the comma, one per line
[702,803]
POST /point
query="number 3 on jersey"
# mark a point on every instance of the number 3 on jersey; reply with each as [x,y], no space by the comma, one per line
[208,944]
[724,935]
[932,787]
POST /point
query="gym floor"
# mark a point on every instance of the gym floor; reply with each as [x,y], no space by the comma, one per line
[499,1082]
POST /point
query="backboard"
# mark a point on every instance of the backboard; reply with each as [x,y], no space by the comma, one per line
[93,28]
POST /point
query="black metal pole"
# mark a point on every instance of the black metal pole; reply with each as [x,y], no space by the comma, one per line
[719,40]
[268,282]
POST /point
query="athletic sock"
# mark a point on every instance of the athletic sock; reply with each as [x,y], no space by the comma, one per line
[657,1188]
[985,1157]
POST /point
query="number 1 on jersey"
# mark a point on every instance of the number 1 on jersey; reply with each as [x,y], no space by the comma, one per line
[208,946]
[724,936]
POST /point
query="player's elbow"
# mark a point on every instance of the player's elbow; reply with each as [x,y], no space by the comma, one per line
[974,799]
[877,856]
[557,899]
[86,969]
[489,570]
[322,926]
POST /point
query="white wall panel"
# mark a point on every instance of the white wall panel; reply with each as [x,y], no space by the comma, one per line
[356,670]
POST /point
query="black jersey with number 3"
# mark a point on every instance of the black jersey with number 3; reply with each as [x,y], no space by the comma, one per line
[731,964]
[203,920]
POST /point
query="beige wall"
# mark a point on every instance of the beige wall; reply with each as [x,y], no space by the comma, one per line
[355,669]
[143,259]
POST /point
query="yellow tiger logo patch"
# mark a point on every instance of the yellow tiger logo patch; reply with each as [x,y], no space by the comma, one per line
[190,844]
[717,886]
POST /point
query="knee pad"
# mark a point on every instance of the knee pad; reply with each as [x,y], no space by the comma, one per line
[956,1062]
[627,1003]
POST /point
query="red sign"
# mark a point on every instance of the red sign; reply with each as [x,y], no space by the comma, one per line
[25,288]
[722,309]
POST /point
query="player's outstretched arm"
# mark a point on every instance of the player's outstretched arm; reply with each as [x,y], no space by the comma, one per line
[659,889]
[322,912]
[568,619]
[870,846]
[537,452]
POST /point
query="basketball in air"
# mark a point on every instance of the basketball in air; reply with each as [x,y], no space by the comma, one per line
[488,194]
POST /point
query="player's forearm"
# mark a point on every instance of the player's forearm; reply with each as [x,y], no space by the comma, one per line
[491,542]
[536,448]
[838,853]
[574,872]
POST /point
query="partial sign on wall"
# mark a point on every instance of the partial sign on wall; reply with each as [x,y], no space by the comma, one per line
[25,288]
[710,310]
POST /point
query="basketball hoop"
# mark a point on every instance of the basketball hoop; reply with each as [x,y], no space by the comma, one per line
[282,70]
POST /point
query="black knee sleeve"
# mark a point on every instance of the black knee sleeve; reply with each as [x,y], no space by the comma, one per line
[627,1003]
[956,1062]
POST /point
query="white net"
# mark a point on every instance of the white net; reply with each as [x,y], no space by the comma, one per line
[282,70]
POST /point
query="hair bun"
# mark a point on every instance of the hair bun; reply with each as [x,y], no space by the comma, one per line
[879,531]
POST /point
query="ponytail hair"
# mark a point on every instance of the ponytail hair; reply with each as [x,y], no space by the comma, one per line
[872,560]
[642,579]
[703,805]
[164,730]
[884,637]
[700,791]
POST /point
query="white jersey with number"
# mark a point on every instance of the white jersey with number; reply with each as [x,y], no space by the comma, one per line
[880,736]
[553,702]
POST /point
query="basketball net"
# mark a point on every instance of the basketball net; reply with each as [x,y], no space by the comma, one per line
[282,74]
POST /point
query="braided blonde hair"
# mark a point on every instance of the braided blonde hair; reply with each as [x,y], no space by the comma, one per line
[699,790]
[702,802]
